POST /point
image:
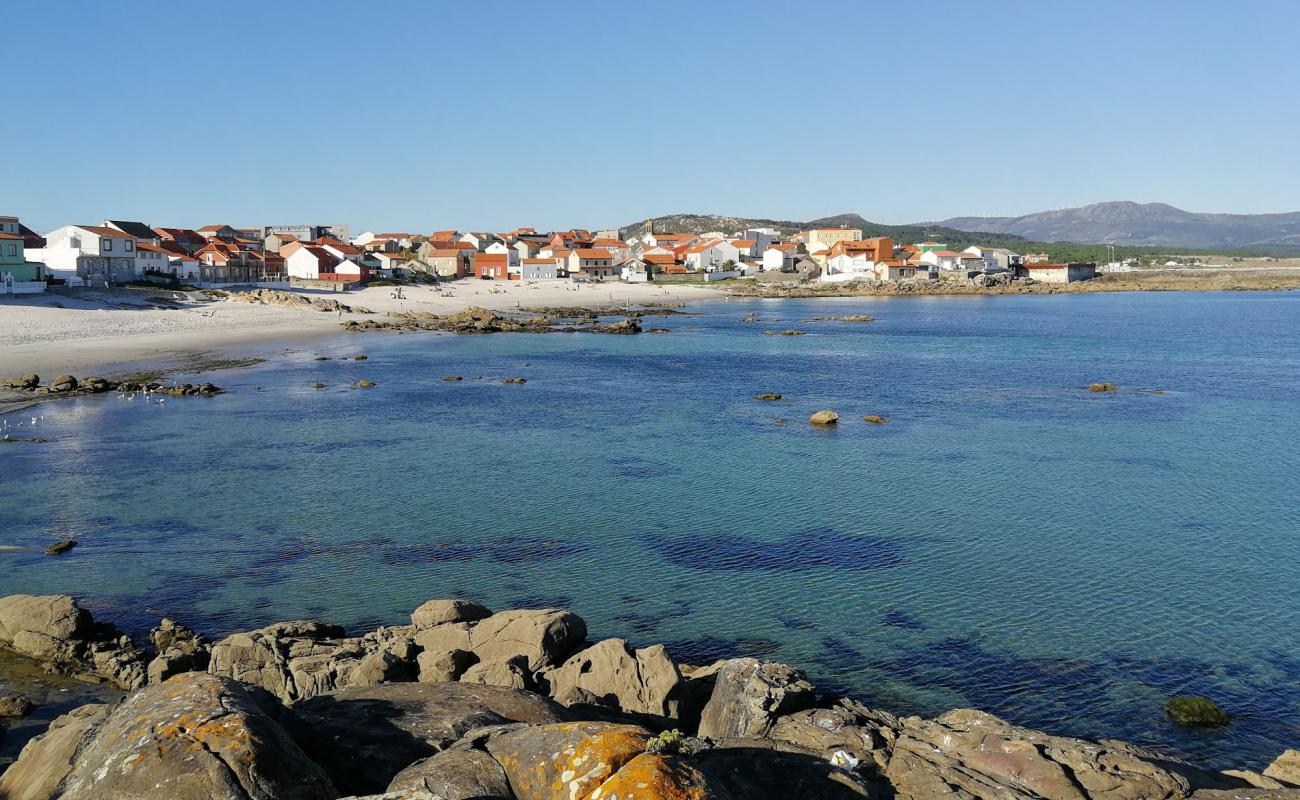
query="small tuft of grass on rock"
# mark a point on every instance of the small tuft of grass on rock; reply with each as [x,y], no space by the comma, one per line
[674,743]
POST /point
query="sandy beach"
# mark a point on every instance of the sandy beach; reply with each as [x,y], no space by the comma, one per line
[118,332]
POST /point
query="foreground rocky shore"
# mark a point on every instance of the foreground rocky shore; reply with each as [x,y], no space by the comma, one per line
[466,704]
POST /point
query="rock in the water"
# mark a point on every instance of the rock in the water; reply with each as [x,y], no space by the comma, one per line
[514,380]
[1102,387]
[63,383]
[441,612]
[1285,768]
[196,737]
[365,736]
[570,760]
[767,396]
[452,378]
[47,759]
[1196,711]
[365,384]
[641,681]
[15,706]
[874,419]
[824,418]
[61,546]
[296,660]
[970,754]
[748,695]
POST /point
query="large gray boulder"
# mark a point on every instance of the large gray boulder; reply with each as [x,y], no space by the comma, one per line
[749,694]
[195,737]
[641,681]
[364,736]
[297,660]
[970,754]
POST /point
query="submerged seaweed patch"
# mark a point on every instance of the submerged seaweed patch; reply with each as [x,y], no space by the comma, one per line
[518,549]
[897,619]
[426,553]
[707,649]
[820,547]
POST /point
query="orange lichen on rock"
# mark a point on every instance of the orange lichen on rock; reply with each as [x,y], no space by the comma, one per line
[566,760]
[655,776]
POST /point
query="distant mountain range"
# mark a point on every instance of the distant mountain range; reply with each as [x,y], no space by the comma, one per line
[1139,225]
[1142,224]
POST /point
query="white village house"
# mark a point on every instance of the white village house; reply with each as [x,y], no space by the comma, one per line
[89,253]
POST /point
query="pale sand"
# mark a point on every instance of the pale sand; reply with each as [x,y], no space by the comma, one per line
[121,332]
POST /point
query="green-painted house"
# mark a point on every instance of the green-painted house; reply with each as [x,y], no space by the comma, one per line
[13,261]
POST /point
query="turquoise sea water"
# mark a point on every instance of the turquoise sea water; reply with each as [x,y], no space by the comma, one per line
[1008,540]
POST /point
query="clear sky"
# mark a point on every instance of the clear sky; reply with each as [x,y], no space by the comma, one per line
[488,115]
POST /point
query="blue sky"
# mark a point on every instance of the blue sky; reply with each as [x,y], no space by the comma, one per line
[488,115]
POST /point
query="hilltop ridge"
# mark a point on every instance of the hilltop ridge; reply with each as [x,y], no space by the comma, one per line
[1146,224]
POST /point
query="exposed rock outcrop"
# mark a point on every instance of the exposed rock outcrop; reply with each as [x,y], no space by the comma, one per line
[196,737]
[971,754]
[297,660]
[179,649]
[826,417]
[55,630]
[472,729]
[641,681]
[510,648]
[441,612]
[748,696]
[365,736]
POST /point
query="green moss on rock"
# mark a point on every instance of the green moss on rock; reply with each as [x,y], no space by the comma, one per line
[1199,711]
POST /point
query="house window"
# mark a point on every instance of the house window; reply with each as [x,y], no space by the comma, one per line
[130,246]
[11,250]
[108,245]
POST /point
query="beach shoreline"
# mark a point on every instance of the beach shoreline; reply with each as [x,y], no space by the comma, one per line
[126,332]
[122,333]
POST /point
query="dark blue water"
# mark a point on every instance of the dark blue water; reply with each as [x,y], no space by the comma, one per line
[1008,540]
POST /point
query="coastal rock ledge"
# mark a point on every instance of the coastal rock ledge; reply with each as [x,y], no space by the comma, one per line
[465,704]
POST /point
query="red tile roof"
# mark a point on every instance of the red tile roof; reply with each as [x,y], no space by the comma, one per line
[102,231]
